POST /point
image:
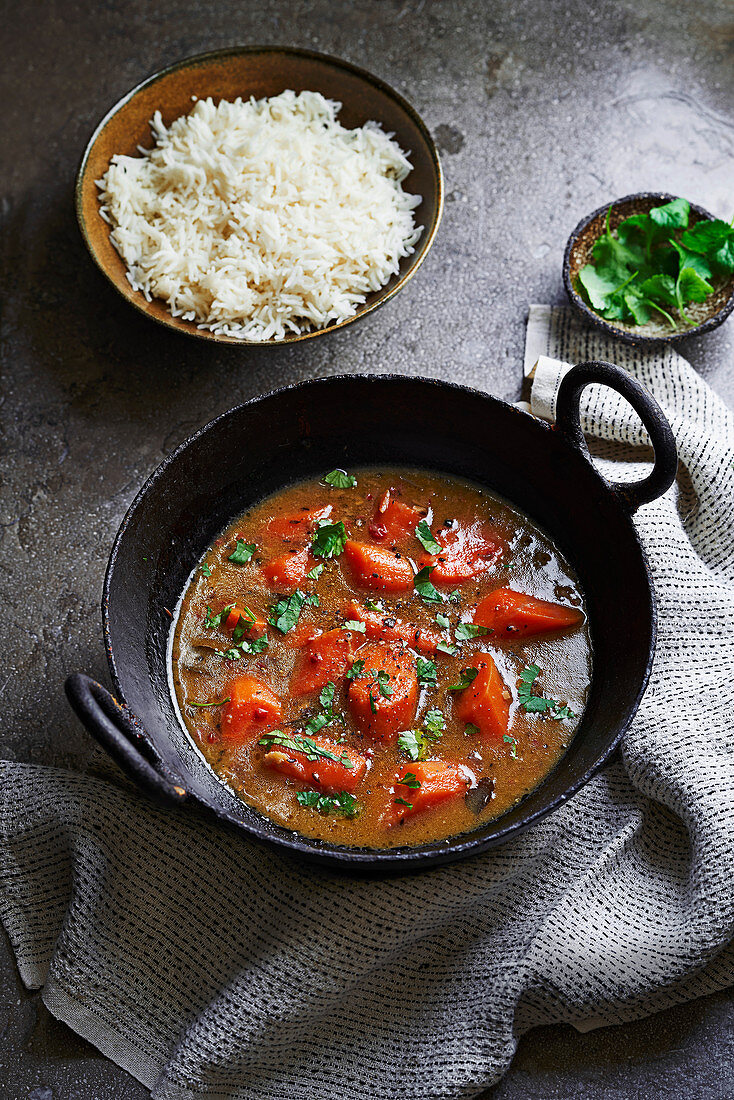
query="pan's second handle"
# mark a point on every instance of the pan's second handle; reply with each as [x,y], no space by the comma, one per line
[662,475]
[115,731]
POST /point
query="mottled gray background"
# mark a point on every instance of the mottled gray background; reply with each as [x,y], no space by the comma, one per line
[543,111]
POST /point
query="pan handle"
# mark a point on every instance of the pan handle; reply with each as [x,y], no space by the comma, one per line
[662,475]
[112,726]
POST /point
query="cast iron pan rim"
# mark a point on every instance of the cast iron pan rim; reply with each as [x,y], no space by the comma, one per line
[628,335]
[384,860]
[424,245]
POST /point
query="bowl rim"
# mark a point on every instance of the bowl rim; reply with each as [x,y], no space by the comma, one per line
[413,858]
[630,337]
[190,328]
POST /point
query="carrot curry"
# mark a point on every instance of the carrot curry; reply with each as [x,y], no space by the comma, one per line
[382,657]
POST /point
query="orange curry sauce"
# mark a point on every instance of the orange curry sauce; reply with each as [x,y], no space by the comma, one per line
[382,689]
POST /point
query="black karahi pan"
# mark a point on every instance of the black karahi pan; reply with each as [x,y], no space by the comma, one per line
[297,432]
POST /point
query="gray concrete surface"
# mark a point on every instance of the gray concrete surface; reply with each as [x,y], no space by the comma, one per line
[543,110]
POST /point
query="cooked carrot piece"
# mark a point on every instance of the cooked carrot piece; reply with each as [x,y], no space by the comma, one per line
[383,698]
[286,573]
[330,776]
[423,785]
[297,527]
[392,520]
[253,627]
[484,702]
[251,711]
[383,626]
[323,658]
[467,552]
[513,614]
[378,568]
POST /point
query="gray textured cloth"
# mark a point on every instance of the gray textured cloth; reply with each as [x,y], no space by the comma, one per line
[208,966]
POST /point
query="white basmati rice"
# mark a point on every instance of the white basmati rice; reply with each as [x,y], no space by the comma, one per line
[261,218]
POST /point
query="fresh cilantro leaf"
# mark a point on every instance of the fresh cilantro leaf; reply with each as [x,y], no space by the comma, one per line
[423,586]
[410,780]
[299,742]
[513,745]
[356,625]
[660,288]
[402,802]
[691,287]
[538,704]
[343,803]
[206,569]
[724,256]
[471,730]
[426,671]
[466,631]
[434,721]
[383,683]
[284,615]
[242,552]
[467,677]
[220,703]
[356,670]
[673,215]
[447,647]
[340,479]
[411,743]
[315,573]
[326,698]
[443,620]
[706,237]
[329,540]
[374,605]
[425,538]
[212,621]
[317,723]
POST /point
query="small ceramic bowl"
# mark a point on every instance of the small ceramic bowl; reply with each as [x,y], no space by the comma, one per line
[255,71]
[708,315]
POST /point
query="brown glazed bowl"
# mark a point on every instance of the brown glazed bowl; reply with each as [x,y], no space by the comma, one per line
[255,71]
[709,314]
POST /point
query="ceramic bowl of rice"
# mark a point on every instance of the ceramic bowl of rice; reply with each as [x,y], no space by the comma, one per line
[259,195]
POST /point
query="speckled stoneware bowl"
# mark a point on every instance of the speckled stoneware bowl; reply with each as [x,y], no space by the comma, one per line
[708,315]
[255,71]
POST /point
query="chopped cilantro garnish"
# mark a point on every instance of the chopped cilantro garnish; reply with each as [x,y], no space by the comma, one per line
[425,538]
[426,671]
[356,670]
[410,780]
[212,621]
[416,743]
[299,742]
[512,743]
[447,647]
[466,678]
[537,704]
[340,479]
[315,573]
[242,552]
[284,615]
[329,540]
[326,698]
[466,631]
[434,721]
[206,569]
[443,620]
[343,803]
[471,730]
[356,625]
[423,586]
[373,605]
[402,802]
[219,703]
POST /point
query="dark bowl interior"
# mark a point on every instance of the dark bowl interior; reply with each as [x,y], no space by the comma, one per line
[255,71]
[709,314]
[271,441]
